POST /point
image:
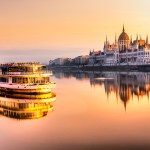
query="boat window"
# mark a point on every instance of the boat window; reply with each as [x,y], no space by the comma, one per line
[2,79]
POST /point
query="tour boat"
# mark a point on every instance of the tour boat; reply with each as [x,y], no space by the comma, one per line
[24,78]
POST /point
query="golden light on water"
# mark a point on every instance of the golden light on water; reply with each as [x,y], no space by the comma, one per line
[26,106]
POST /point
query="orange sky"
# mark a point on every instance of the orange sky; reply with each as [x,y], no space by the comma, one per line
[67,28]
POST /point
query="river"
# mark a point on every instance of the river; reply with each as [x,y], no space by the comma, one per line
[93,110]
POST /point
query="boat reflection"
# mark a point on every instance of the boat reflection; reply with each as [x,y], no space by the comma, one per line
[27,107]
[125,85]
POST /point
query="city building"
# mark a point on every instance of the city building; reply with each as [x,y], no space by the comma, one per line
[60,61]
[123,51]
[82,60]
[96,57]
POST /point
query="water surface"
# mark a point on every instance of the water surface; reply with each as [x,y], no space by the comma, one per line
[100,110]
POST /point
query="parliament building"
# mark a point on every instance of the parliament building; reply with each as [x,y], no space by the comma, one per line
[123,51]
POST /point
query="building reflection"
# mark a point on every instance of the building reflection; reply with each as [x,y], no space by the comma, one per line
[79,75]
[26,106]
[125,85]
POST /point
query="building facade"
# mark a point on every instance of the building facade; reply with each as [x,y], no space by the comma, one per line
[81,60]
[60,61]
[123,51]
[96,58]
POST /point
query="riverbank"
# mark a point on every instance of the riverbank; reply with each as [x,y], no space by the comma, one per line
[118,68]
[64,67]
[104,68]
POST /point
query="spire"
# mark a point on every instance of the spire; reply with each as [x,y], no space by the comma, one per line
[140,37]
[90,52]
[137,38]
[131,39]
[123,29]
[106,39]
[115,39]
[147,40]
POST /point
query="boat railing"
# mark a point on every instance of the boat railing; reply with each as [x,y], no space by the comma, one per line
[27,73]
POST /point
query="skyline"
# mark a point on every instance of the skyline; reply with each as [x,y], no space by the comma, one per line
[50,29]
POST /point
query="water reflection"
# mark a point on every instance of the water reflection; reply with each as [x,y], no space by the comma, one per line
[21,106]
[125,85]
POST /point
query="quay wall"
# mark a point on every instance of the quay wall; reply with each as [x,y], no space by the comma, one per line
[118,68]
[104,68]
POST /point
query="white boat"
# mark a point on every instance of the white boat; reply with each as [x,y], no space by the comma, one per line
[25,78]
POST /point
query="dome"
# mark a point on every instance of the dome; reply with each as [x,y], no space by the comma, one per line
[123,35]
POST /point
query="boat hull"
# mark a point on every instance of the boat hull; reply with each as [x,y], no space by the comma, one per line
[25,89]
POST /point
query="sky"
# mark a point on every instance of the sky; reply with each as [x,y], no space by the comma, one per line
[40,30]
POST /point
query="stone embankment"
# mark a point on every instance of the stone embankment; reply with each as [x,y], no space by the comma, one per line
[104,68]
